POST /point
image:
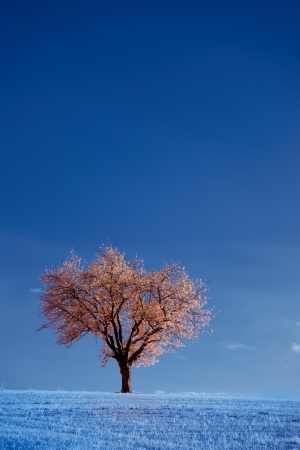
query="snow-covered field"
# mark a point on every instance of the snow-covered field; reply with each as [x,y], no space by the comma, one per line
[32,420]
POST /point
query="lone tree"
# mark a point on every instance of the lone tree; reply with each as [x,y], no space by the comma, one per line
[137,314]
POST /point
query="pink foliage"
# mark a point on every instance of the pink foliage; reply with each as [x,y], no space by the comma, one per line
[138,315]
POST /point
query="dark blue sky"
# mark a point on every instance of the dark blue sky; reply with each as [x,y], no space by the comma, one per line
[170,130]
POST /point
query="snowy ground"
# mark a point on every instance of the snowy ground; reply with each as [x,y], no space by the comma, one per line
[32,420]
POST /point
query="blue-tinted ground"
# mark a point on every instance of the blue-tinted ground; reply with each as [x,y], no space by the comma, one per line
[32,420]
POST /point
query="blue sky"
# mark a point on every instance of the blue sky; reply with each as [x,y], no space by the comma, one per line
[170,130]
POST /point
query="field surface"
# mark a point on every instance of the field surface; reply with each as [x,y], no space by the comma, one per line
[32,420]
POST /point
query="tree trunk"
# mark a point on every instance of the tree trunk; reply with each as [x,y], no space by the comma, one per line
[125,372]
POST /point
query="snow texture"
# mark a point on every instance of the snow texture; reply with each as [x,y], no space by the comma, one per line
[60,420]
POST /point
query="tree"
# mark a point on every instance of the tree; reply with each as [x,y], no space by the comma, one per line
[138,314]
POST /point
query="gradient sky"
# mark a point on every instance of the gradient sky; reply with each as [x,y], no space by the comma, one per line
[169,129]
